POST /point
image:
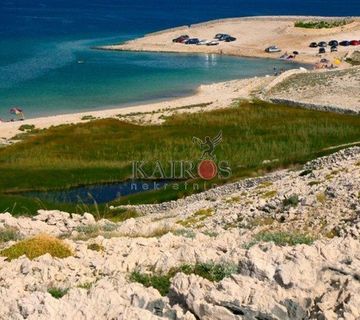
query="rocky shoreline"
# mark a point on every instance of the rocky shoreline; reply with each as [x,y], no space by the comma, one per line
[286,246]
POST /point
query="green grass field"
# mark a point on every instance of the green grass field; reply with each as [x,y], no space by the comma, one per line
[103,150]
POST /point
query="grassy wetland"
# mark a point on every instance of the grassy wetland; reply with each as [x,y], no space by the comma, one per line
[257,137]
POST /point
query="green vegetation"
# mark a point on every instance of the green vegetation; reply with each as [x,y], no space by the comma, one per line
[321,197]
[9,234]
[159,282]
[58,293]
[95,247]
[291,201]
[314,183]
[121,215]
[187,233]
[281,239]
[27,127]
[212,234]
[328,24]
[212,271]
[354,59]
[86,285]
[262,221]
[36,247]
[88,117]
[196,218]
[269,194]
[102,151]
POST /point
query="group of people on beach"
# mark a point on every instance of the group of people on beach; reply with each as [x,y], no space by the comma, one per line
[18,112]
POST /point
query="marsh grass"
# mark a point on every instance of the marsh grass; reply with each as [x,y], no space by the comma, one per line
[103,150]
[36,247]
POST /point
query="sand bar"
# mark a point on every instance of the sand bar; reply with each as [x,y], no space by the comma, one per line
[253,35]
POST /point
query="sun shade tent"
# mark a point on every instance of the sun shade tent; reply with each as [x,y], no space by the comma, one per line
[18,112]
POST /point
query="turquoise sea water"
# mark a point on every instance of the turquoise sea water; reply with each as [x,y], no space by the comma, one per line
[53,81]
[42,42]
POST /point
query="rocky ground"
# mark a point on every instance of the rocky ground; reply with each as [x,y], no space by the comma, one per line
[336,90]
[287,243]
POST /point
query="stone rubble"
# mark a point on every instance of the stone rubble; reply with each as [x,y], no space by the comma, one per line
[317,281]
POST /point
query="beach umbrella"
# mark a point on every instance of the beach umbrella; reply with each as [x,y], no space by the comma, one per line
[16,110]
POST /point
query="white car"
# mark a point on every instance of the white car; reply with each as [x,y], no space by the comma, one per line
[272,49]
[202,42]
[212,43]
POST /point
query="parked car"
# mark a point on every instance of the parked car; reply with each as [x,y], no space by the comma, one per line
[344,43]
[322,44]
[224,37]
[229,39]
[313,45]
[334,49]
[272,49]
[212,43]
[354,42]
[220,36]
[192,41]
[333,43]
[202,42]
[181,39]
[322,50]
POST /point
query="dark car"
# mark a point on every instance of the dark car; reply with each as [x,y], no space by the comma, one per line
[334,49]
[313,45]
[221,36]
[322,50]
[181,39]
[229,39]
[344,43]
[322,44]
[354,42]
[192,41]
[333,43]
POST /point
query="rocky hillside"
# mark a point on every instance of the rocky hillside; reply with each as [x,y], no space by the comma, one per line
[283,246]
[336,90]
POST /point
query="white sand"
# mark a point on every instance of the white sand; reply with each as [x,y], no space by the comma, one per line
[253,36]
[219,94]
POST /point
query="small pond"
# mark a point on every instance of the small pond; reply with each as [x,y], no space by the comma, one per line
[99,193]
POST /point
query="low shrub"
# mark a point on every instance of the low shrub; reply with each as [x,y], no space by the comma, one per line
[27,127]
[9,234]
[292,201]
[58,293]
[211,271]
[321,24]
[121,215]
[187,233]
[281,239]
[36,247]
[96,247]
[159,282]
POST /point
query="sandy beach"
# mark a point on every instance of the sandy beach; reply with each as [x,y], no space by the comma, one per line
[218,94]
[253,34]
